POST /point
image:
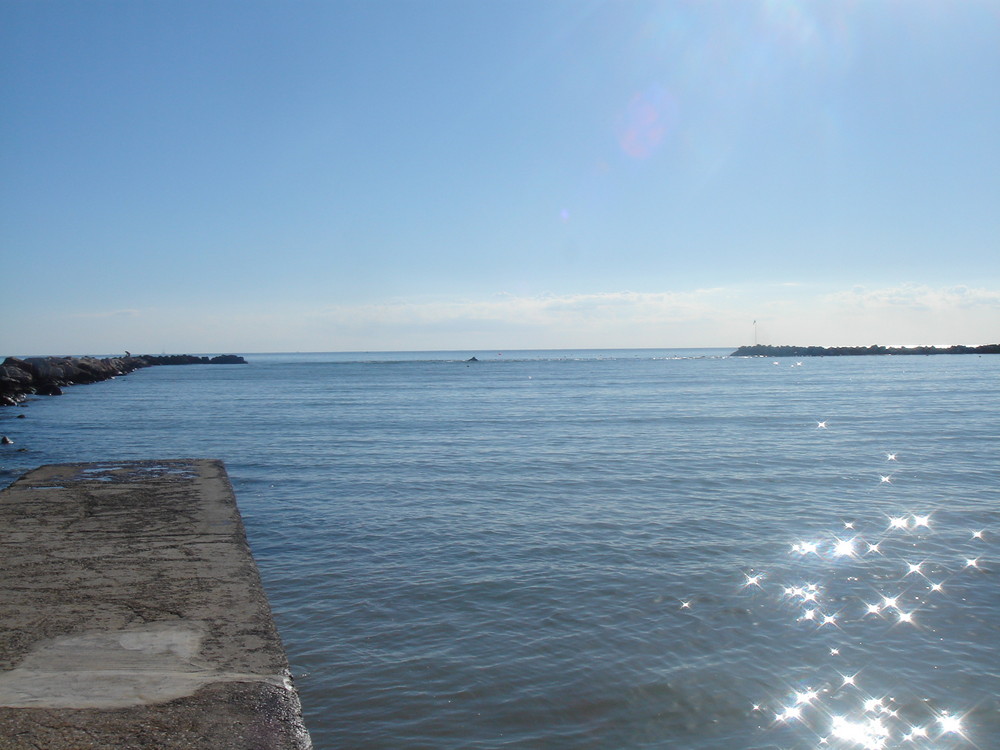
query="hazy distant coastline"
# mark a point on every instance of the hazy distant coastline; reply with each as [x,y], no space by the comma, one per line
[764,350]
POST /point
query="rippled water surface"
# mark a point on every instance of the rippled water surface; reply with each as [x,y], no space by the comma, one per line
[616,549]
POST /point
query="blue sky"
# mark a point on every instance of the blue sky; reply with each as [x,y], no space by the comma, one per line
[442,174]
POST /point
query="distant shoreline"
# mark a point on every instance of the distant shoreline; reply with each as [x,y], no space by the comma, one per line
[765,350]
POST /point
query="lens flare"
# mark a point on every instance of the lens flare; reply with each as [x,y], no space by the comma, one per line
[648,118]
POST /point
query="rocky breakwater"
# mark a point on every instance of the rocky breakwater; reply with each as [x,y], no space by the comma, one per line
[764,350]
[47,376]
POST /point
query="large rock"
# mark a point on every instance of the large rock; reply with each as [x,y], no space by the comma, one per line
[15,375]
[45,368]
[227,359]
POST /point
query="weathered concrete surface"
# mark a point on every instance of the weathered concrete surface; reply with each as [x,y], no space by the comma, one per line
[132,614]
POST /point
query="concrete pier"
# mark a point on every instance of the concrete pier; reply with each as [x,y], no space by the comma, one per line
[132,615]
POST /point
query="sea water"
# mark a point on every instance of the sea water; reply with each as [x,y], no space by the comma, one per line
[599,549]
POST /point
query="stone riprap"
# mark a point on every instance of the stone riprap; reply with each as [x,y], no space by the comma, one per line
[133,615]
[47,376]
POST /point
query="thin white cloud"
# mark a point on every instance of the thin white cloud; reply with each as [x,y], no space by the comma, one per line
[916,297]
[901,314]
[540,310]
[127,313]
[596,320]
[715,317]
[800,314]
